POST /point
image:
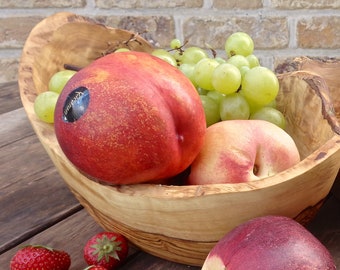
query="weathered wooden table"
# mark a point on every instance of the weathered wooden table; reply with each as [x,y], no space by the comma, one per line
[36,207]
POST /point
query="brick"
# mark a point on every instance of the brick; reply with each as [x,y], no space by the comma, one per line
[269,22]
[9,70]
[319,32]
[215,31]
[237,4]
[306,4]
[42,4]
[15,30]
[149,4]
[159,30]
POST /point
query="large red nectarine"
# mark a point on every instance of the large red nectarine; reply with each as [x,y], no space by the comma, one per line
[269,243]
[130,117]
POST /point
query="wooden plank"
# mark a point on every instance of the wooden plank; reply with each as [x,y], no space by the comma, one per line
[14,125]
[9,97]
[32,205]
[30,160]
[70,235]
[32,194]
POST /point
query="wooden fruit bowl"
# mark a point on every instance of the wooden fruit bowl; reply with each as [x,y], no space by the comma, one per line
[182,223]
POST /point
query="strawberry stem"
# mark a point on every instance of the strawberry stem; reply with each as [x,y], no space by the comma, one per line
[106,248]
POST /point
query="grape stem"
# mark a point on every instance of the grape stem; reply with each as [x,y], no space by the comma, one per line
[113,47]
[213,51]
[134,38]
[179,49]
[72,67]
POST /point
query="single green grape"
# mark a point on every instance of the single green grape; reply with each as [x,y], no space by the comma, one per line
[238,61]
[216,96]
[271,104]
[44,106]
[188,70]
[239,43]
[178,55]
[175,43]
[252,106]
[59,79]
[211,110]
[270,114]
[220,60]
[253,60]
[234,106]
[193,55]
[260,86]
[165,55]
[255,107]
[203,72]
[226,78]
[243,70]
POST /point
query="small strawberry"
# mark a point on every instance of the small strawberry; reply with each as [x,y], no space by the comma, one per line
[107,249]
[40,257]
[95,267]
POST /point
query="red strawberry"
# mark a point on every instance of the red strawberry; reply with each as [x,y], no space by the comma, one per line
[107,249]
[40,257]
[95,267]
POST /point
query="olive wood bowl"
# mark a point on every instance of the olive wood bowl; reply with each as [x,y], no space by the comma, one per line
[182,223]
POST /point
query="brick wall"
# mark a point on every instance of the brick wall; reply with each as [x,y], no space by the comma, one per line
[280,28]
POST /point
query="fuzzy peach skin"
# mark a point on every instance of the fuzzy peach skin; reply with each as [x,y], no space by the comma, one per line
[137,119]
[237,151]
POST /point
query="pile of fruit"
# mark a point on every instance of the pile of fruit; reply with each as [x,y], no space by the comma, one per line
[132,117]
[171,110]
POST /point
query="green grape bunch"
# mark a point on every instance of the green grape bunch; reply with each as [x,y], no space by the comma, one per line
[234,86]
